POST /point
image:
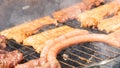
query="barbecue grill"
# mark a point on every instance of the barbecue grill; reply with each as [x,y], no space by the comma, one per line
[88,55]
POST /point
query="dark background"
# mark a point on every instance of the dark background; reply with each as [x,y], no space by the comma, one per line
[13,12]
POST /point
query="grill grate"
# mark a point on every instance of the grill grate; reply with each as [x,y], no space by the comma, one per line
[28,52]
[83,55]
[80,55]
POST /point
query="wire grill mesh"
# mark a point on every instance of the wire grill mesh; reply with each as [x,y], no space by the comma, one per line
[83,55]
[28,52]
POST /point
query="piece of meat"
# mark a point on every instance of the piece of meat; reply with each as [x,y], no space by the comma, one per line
[30,64]
[10,59]
[2,42]
[37,40]
[65,36]
[92,17]
[20,32]
[110,24]
[72,11]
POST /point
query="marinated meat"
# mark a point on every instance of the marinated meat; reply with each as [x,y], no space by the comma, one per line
[92,17]
[72,12]
[20,32]
[10,59]
[110,24]
[37,40]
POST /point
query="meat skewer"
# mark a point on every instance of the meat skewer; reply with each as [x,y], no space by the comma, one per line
[110,24]
[72,12]
[37,40]
[93,17]
[20,32]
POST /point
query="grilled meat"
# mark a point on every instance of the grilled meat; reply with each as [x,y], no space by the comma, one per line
[111,39]
[37,40]
[10,59]
[2,42]
[42,61]
[72,12]
[65,36]
[30,64]
[110,24]
[48,58]
[20,32]
[93,17]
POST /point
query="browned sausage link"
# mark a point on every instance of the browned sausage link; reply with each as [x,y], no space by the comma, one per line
[50,43]
[20,32]
[80,39]
[93,17]
[72,12]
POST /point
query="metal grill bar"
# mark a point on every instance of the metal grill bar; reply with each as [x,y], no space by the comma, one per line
[87,54]
[96,51]
[81,58]
[76,62]
[75,53]
[107,49]
[71,66]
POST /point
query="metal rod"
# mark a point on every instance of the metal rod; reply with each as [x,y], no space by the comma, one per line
[67,64]
[96,51]
[82,58]
[87,54]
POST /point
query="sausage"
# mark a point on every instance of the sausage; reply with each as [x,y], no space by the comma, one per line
[52,53]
